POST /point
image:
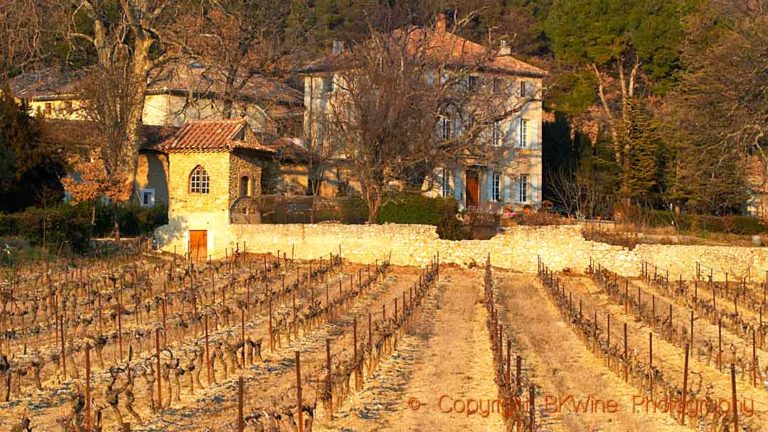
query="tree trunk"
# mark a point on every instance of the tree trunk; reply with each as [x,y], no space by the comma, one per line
[373,198]
[129,153]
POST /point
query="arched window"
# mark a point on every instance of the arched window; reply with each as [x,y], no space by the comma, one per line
[245,183]
[199,182]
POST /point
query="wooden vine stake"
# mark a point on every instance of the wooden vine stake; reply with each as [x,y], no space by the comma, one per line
[207,353]
[159,376]
[242,333]
[300,414]
[271,333]
[88,423]
[240,397]
[685,385]
[650,359]
[626,359]
[329,377]
[733,399]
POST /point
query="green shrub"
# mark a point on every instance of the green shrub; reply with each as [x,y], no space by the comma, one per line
[415,208]
[133,219]
[67,226]
[60,227]
[734,224]
[747,225]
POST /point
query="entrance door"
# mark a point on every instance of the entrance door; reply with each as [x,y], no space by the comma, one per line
[198,245]
[473,188]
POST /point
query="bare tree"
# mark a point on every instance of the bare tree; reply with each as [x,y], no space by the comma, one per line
[23,32]
[580,196]
[127,41]
[239,42]
[405,101]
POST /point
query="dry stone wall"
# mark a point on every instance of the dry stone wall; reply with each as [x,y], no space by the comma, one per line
[561,247]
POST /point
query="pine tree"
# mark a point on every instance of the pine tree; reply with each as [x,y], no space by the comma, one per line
[31,167]
[640,166]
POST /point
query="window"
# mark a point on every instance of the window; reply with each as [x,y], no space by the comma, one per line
[147,197]
[496,186]
[497,136]
[522,189]
[498,85]
[524,89]
[68,106]
[446,127]
[199,182]
[524,139]
[473,82]
[244,186]
[446,185]
[328,85]
[48,108]
[469,123]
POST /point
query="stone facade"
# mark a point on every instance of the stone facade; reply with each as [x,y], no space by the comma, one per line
[513,179]
[244,166]
[216,164]
[561,247]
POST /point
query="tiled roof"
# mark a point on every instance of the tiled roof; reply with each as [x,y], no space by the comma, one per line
[213,136]
[445,47]
[182,78]
[199,79]
[46,83]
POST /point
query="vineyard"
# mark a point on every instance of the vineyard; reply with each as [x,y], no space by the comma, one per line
[266,342]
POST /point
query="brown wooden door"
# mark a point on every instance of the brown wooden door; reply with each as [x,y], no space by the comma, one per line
[198,245]
[473,188]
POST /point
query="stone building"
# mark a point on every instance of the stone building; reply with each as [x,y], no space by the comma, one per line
[211,173]
[178,93]
[514,179]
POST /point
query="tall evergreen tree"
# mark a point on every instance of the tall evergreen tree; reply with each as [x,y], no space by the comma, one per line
[31,167]
[640,169]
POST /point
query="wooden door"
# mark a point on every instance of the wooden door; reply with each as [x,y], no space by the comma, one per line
[198,245]
[473,188]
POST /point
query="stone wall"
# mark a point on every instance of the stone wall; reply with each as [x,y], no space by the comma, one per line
[561,247]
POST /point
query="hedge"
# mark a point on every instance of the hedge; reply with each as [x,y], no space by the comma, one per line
[415,208]
[69,226]
[734,224]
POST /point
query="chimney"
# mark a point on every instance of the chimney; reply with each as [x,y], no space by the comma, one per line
[504,48]
[338,47]
[440,25]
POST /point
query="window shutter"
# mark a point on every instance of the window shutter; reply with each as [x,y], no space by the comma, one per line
[506,192]
[458,188]
[535,188]
[513,133]
[488,186]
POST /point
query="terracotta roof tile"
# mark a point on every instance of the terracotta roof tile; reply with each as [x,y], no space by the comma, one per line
[213,136]
[445,47]
[56,83]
